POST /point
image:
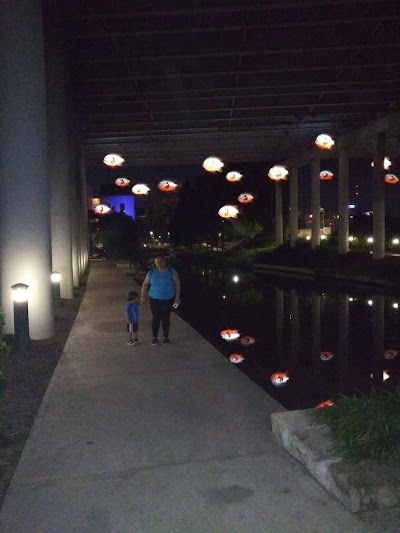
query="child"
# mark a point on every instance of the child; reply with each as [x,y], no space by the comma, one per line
[132,317]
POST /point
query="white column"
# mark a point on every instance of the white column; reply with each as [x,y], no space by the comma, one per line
[343,236]
[278,214]
[294,206]
[379,197]
[315,203]
[25,234]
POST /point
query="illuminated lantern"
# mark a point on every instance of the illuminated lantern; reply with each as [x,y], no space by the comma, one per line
[325,403]
[246,340]
[102,209]
[385,375]
[234,176]
[213,164]
[140,189]
[113,160]
[279,378]
[278,172]
[391,179]
[230,334]
[326,356]
[390,354]
[324,141]
[236,358]
[386,163]
[167,186]
[122,182]
[228,211]
[325,175]
[245,198]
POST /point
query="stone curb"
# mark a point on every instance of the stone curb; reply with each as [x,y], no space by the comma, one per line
[359,486]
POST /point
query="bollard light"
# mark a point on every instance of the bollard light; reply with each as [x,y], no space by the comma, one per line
[21,319]
[55,278]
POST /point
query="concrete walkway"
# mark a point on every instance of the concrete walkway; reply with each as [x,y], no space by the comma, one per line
[157,439]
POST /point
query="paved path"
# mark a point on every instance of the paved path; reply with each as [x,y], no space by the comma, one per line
[143,439]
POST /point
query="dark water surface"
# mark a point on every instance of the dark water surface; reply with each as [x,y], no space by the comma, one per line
[328,340]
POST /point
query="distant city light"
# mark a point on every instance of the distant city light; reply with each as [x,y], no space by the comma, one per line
[395,305]
[351,206]
[235,279]
[370,302]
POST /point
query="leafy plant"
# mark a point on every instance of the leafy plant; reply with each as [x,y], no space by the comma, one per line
[365,426]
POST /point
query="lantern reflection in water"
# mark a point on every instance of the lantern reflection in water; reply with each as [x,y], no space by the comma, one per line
[167,186]
[245,198]
[122,182]
[213,164]
[324,141]
[246,340]
[140,189]
[326,356]
[278,173]
[279,378]
[228,211]
[236,358]
[325,403]
[390,354]
[230,334]
[234,176]
[386,163]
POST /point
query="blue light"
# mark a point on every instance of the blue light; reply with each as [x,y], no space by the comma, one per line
[351,206]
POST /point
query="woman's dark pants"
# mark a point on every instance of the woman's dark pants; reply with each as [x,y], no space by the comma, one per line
[161,311]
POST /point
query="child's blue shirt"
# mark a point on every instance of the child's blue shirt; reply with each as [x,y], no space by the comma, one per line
[132,308]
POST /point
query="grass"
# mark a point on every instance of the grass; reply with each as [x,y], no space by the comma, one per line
[365,426]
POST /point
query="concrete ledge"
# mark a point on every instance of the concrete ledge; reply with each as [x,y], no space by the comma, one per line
[359,486]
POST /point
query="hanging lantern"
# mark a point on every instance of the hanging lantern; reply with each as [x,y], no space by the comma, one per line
[278,172]
[325,403]
[228,211]
[140,189]
[386,163]
[213,164]
[324,141]
[391,179]
[167,186]
[236,358]
[279,378]
[390,354]
[245,198]
[230,334]
[326,356]
[113,160]
[234,176]
[122,182]
[325,175]
[246,340]
[102,209]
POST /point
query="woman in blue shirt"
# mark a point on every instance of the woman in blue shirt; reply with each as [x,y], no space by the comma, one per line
[164,292]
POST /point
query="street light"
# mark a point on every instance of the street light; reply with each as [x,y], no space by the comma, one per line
[21,320]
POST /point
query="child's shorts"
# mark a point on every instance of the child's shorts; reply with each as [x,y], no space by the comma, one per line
[132,328]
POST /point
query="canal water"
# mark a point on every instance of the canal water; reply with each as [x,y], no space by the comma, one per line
[311,342]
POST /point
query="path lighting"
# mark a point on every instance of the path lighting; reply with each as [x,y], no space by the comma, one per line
[55,282]
[308,237]
[21,320]
[370,240]
[395,241]
[351,238]
[323,237]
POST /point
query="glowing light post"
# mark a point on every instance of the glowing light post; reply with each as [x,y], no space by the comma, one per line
[21,319]
[343,229]
[55,284]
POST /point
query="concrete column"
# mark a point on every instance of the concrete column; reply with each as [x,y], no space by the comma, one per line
[379,197]
[85,217]
[25,233]
[59,168]
[278,214]
[316,332]
[315,203]
[74,236]
[294,206]
[343,244]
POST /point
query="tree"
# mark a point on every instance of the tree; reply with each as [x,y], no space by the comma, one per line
[118,233]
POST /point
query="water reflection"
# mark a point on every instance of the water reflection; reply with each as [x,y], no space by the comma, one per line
[302,343]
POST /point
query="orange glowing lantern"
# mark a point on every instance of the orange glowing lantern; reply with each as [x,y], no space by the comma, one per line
[246,340]
[113,160]
[325,175]
[234,176]
[230,334]
[391,179]
[102,209]
[278,173]
[245,198]
[213,164]
[167,186]
[279,378]
[140,189]
[236,358]
[324,142]
[326,356]
[325,403]
[122,182]
[390,354]
[228,211]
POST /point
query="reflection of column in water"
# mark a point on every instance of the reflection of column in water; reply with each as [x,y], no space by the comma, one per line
[378,336]
[343,340]
[278,323]
[294,327]
[316,332]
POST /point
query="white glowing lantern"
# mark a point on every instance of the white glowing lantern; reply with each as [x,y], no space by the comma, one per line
[113,160]
[228,211]
[236,358]
[140,189]
[385,375]
[213,164]
[278,172]
[233,176]
[279,378]
[230,334]
[386,163]
[122,182]
[324,141]
[102,209]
